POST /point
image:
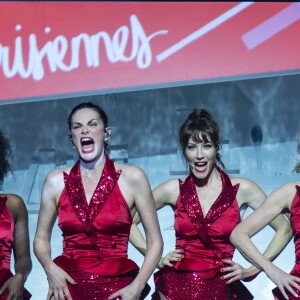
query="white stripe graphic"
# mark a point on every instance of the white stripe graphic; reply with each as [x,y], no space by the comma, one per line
[203,30]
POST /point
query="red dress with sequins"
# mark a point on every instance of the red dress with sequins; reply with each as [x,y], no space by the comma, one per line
[7,227]
[205,241]
[295,224]
[95,236]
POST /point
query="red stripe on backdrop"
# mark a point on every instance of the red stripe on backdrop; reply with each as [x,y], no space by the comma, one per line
[56,48]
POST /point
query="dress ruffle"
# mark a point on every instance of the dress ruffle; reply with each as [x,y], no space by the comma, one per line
[207,267]
[93,265]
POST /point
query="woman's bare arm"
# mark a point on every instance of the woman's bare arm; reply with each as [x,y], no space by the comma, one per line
[57,278]
[271,208]
[144,203]
[255,197]
[163,194]
[21,249]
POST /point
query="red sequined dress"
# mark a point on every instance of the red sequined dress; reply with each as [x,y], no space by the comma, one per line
[205,241]
[7,227]
[95,236]
[295,224]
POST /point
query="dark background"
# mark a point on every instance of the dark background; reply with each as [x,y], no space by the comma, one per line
[148,121]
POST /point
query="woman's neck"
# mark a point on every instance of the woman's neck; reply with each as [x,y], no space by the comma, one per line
[212,179]
[96,165]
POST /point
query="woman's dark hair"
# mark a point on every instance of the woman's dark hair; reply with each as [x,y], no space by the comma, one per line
[5,151]
[200,125]
[297,167]
[90,105]
[102,115]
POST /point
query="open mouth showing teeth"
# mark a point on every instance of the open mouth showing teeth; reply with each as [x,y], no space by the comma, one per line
[87,144]
[200,164]
[86,141]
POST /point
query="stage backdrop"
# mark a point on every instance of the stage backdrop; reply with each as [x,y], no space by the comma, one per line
[50,50]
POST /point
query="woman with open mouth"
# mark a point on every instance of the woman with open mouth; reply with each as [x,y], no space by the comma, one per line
[208,205]
[95,201]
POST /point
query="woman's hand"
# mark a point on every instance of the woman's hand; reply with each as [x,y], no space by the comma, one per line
[284,281]
[251,273]
[175,255]
[57,279]
[235,271]
[15,287]
[131,292]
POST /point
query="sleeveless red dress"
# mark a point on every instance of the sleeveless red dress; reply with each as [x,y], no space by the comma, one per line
[295,224]
[7,227]
[205,241]
[95,236]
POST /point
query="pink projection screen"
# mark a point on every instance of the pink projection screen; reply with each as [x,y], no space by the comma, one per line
[54,49]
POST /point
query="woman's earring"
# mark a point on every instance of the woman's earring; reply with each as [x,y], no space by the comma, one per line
[106,134]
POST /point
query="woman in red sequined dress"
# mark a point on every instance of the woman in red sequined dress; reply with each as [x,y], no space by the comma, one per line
[284,199]
[95,201]
[13,236]
[208,204]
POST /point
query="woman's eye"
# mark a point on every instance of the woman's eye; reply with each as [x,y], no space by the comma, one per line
[207,146]
[191,147]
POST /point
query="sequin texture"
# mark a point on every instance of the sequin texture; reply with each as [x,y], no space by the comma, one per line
[193,208]
[96,287]
[178,285]
[95,235]
[205,243]
[87,213]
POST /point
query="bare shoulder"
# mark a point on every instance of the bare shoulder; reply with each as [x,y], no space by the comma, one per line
[54,184]
[131,174]
[16,205]
[249,192]
[55,178]
[14,200]
[245,184]
[288,189]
